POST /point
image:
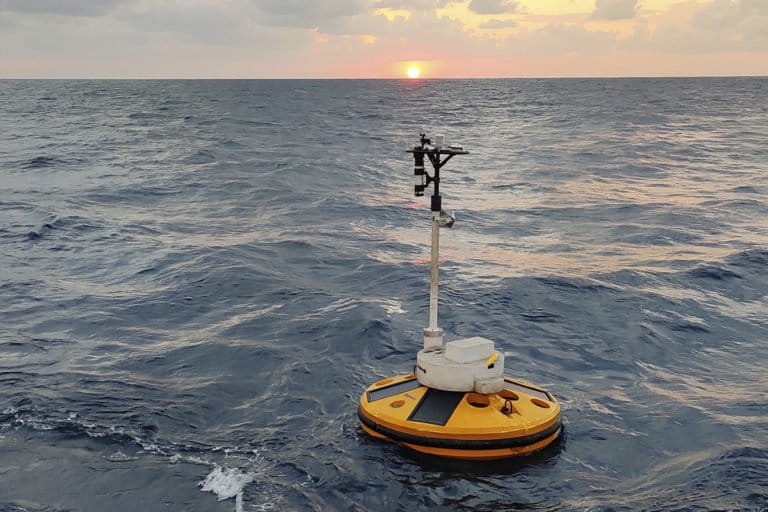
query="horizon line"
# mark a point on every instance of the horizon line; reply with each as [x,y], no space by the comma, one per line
[420,79]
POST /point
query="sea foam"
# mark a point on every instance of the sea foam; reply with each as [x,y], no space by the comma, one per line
[227,483]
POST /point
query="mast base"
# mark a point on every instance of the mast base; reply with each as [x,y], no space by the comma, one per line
[470,364]
[433,338]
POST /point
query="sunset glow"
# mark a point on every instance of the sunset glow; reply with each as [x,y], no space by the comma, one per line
[439,38]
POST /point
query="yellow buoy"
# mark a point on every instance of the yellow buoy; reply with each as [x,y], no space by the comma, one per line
[458,402]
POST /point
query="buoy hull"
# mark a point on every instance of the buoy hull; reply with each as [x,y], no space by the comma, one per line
[519,420]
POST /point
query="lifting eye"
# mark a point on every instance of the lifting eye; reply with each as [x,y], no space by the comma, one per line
[507,408]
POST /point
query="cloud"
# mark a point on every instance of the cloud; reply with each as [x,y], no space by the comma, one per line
[614,9]
[714,27]
[492,24]
[301,13]
[63,7]
[556,39]
[493,6]
[199,23]
[412,5]
[754,7]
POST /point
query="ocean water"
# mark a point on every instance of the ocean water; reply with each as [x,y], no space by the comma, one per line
[199,278]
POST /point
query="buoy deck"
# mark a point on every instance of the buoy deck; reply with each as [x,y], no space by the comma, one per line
[519,420]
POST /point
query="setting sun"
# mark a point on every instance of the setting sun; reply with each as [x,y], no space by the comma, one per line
[413,72]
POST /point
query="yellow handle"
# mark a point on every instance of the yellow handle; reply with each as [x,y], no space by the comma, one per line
[492,359]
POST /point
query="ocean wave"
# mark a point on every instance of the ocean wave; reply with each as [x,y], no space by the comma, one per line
[198,278]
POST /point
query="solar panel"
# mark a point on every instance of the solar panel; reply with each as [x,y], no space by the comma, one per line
[394,389]
[436,406]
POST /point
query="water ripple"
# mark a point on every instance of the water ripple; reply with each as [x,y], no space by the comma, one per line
[197,279]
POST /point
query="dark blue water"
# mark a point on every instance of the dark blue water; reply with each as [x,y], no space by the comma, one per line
[198,278]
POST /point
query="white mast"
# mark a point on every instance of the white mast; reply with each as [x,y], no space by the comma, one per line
[433,335]
[461,365]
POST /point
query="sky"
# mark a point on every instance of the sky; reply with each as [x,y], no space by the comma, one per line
[381,38]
